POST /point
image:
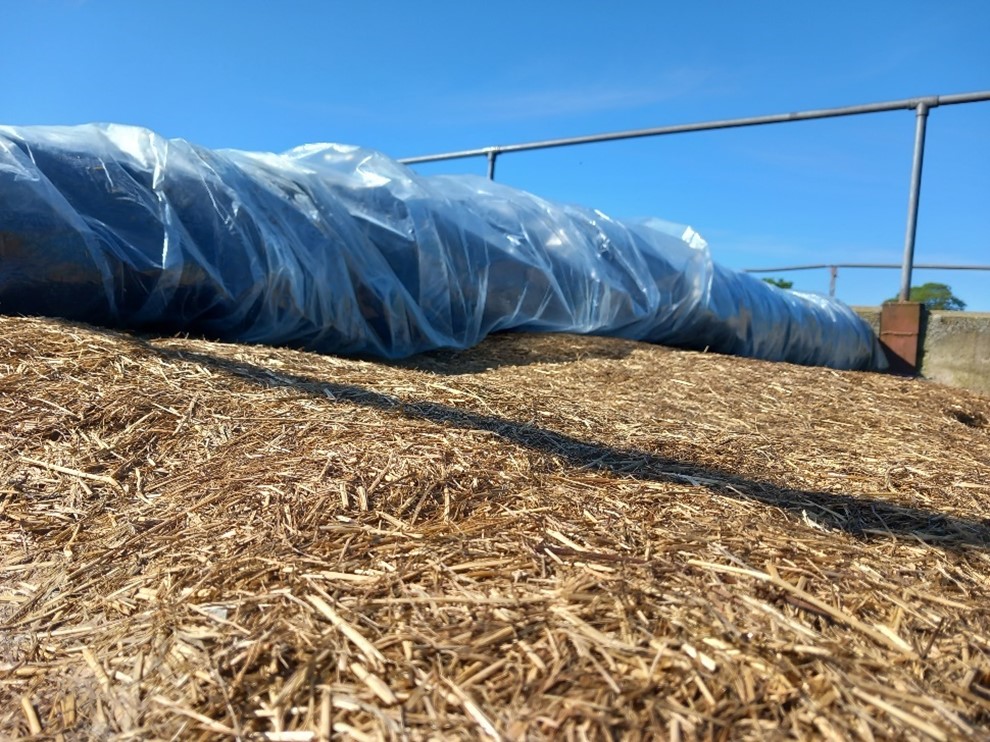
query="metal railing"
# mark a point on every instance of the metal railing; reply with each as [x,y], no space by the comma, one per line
[833,269]
[921,107]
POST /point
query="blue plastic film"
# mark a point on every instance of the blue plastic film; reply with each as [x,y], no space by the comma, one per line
[342,250]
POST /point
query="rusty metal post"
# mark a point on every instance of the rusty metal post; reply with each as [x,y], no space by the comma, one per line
[833,273]
[900,335]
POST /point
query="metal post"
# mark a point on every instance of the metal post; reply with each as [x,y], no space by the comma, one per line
[492,154]
[833,273]
[921,119]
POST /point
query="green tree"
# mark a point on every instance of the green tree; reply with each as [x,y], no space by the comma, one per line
[935,296]
[780,283]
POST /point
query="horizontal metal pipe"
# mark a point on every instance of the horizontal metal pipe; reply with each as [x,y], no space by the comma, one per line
[929,266]
[778,118]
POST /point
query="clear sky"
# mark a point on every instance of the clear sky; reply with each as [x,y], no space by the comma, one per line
[412,78]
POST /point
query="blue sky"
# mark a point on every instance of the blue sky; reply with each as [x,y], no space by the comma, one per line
[412,78]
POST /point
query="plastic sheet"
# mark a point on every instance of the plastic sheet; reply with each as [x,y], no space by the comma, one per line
[342,250]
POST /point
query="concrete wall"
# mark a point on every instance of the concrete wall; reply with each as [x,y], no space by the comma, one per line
[955,346]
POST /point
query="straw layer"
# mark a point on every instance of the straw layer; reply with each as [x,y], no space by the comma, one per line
[543,537]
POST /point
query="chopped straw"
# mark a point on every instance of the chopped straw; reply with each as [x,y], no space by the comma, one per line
[545,537]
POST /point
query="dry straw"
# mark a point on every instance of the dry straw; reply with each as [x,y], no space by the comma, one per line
[541,538]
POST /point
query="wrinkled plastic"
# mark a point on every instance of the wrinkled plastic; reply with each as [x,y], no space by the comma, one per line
[342,250]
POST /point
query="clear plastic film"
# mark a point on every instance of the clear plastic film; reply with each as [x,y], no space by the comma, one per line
[342,250]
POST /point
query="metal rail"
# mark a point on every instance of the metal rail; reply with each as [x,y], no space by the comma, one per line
[920,266]
[921,106]
[833,269]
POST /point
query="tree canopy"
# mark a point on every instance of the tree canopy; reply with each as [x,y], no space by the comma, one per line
[780,283]
[935,296]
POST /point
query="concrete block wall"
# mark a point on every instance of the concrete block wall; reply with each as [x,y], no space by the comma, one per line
[955,346]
